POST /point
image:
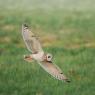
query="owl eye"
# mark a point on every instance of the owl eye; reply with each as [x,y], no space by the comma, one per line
[49,56]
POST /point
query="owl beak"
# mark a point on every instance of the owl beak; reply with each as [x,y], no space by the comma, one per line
[44,58]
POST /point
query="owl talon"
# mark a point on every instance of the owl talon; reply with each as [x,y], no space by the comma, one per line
[27,58]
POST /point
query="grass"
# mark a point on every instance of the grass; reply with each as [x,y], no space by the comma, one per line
[68,35]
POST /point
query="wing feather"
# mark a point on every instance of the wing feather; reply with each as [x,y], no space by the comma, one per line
[31,41]
[53,70]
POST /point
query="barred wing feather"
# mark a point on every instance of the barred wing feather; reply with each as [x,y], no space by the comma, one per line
[31,41]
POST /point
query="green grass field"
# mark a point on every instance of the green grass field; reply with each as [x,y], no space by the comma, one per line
[68,34]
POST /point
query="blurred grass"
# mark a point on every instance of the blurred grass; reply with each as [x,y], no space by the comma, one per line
[68,35]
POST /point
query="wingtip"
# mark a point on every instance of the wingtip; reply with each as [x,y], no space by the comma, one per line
[67,80]
[25,25]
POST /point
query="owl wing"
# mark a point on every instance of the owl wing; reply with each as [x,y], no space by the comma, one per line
[31,41]
[53,70]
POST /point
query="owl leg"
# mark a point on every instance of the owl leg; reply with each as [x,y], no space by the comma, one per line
[28,58]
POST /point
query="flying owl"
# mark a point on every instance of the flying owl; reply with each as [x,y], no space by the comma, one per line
[37,53]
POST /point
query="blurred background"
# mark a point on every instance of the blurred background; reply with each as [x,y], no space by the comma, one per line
[65,29]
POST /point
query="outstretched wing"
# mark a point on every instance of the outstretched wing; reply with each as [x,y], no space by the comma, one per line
[53,70]
[30,40]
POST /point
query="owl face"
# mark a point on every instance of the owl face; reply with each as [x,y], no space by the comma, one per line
[49,57]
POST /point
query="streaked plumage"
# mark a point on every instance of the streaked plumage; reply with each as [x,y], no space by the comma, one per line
[30,40]
[43,59]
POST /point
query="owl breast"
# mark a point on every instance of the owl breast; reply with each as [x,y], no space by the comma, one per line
[38,56]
